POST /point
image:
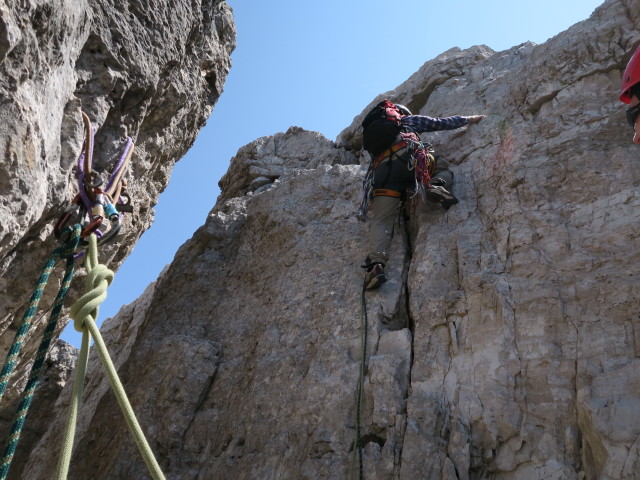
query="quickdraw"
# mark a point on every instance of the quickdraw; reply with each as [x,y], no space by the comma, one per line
[93,204]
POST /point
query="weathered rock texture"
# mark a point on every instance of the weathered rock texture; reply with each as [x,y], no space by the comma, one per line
[149,70]
[505,345]
[57,371]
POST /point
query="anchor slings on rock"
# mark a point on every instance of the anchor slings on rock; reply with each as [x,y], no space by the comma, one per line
[86,214]
[93,204]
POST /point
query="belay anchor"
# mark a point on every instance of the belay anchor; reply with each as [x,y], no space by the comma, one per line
[94,204]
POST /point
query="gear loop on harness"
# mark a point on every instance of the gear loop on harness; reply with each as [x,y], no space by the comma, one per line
[419,158]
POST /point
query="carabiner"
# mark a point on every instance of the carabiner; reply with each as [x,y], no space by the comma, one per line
[72,210]
[116,223]
[95,203]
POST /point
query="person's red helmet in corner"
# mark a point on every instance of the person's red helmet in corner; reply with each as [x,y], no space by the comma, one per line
[630,77]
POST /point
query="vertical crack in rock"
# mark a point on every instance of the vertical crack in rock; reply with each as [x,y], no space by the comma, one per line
[472,371]
[405,310]
[390,361]
[579,464]
[207,388]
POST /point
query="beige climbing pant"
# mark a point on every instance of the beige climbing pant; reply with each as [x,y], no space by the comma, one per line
[385,214]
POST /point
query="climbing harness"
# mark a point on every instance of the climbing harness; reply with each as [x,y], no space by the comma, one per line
[84,313]
[92,205]
[64,252]
[421,162]
[383,136]
[367,182]
[86,214]
[384,192]
[357,447]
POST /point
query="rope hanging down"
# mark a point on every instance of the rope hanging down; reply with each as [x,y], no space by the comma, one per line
[65,252]
[84,313]
[357,447]
[87,211]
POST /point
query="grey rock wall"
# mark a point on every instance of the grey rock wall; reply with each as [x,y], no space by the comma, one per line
[503,346]
[58,370]
[149,70]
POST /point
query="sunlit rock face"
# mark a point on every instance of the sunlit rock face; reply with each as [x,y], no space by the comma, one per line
[505,344]
[148,70]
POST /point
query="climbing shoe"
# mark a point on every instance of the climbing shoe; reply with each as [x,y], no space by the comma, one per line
[374,276]
[439,194]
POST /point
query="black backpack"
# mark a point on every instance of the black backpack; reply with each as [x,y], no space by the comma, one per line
[381,126]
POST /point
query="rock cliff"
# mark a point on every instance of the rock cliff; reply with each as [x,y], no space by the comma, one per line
[505,345]
[148,70]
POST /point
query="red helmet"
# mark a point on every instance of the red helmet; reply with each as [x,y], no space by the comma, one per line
[630,77]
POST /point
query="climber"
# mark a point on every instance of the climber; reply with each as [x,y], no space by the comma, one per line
[630,93]
[401,166]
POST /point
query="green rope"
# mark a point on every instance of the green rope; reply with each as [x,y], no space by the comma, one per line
[357,447]
[66,251]
[84,314]
[76,396]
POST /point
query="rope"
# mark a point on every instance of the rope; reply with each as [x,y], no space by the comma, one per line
[65,251]
[357,447]
[72,419]
[84,313]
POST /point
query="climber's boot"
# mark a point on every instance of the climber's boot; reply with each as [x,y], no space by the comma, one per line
[437,193]
[374,276]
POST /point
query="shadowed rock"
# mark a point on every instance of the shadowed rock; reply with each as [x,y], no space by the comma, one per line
[504,344]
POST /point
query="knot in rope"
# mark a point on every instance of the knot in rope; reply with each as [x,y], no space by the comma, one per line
[99,277]
[84,313]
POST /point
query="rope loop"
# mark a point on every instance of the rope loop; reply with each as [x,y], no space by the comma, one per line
[84,312]
[99,277]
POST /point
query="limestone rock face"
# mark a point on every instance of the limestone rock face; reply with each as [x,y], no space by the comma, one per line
[266,159]
[148,70]
[58,370]
[505,344]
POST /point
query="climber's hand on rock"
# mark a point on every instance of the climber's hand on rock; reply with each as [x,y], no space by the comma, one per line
[475,118]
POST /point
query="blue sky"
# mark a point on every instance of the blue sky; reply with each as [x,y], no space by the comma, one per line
[316,65]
